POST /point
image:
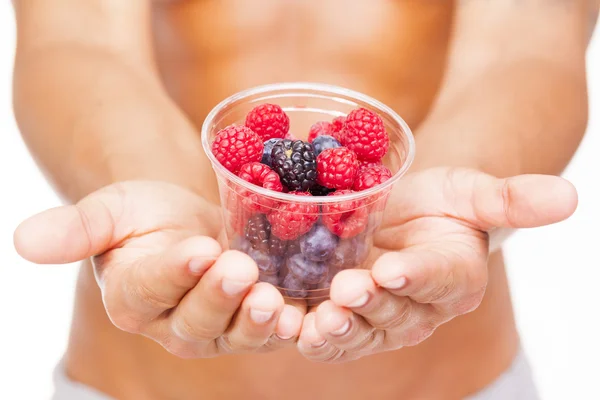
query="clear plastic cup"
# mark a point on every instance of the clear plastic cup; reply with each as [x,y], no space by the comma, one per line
[323,234]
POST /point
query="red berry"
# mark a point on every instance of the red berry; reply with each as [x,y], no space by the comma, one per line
[338,123]
[337,168]
[371,177]
[318,129]
[260,175]
[291,220]
[346,219]
[365,133]
[235,146]
[362,165]
[268,121]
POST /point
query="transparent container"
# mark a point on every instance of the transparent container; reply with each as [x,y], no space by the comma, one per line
[322,234]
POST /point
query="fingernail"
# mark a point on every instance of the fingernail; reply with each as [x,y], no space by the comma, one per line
[361,301]
[340,331]
[282,337]
[318,344]
[233,288]
[395,284]
[197,265]
[260,316]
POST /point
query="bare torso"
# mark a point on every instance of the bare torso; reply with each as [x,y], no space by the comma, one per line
[392,50]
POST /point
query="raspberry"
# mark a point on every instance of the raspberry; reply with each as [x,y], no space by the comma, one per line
[362,165]
[371,177]
[346,219]
[318,129]
[295,163]
[338,124]
[268,121]
[365,133]
[260,175]
[291,220]
[336,168]
[235,146]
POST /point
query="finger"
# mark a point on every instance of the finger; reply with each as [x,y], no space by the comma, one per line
[158,282]
[347,331]
[356,290]
[256,320]
[312,345]
[72,233]
[433,276]
[524,201]
[206,311]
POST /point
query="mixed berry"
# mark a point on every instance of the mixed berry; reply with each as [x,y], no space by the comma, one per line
[300,246]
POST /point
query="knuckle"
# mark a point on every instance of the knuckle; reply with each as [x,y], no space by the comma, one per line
[469,303]
[419,333]
[325,354]
[193,332]
[150,297]
[126,322]
[179,348]
[370,343]
[399,317]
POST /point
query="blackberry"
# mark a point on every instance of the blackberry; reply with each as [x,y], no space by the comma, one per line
[258,232]
[296,164]
[324,142]
[277,247]
[266,157]
[319,190]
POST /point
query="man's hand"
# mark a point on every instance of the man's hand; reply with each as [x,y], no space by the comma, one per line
[161,271]
[431,259]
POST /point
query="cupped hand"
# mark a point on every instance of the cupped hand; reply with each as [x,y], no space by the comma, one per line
[162,272]
[430,259]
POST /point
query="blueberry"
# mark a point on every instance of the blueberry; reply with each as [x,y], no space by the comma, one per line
[318,244]
[272,279]
[267,265]
[294,287]
[306,270]
[268,147]
[325,142]
[350,252]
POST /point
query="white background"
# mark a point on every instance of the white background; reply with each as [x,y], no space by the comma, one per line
[554,271]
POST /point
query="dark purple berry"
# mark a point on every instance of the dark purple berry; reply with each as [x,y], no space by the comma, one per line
[306,270]
[294,287]
[268,147]
[350,252]
[277,247]
[318,244]
[296,164]
[267,265]
[258,232]
[319,190]
[324,142]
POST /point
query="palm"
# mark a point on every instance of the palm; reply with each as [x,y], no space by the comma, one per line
[154,216]
[429,262]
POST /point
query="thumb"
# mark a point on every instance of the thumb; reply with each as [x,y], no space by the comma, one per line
[75,232]
[523,201]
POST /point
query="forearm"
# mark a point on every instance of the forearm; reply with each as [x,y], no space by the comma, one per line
[514,98]
[524,117]
[92,118]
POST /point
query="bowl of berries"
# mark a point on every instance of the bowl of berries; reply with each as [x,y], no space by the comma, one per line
[304,173]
